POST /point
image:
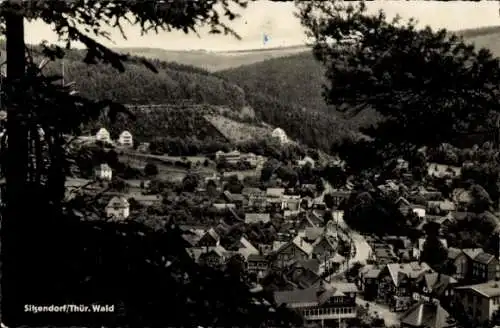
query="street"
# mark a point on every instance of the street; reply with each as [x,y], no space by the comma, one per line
[390,318]
[362,254]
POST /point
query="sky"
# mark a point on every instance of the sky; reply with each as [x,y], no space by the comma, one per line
[276,20]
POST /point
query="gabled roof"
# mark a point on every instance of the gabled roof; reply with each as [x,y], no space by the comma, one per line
[401,201]
[256,257]
[247,191]
[313,233]
[472,252]
[257,217]
[247,248]
[453,253]
[275,192]
[411,270]
[104,167]
[315,295]
[118,202]
[372,273]
[308,295]
[488,289]
[212,233]
[435,281]
[102,131]
[426,315]
[300,244]
[484,258]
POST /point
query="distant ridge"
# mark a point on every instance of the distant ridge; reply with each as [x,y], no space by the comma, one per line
[303,47]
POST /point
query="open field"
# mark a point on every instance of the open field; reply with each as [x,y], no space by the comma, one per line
[237,131]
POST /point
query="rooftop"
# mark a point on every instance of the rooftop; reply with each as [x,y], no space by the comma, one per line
[488,289]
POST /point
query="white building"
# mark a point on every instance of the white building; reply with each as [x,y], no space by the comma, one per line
[125,139]
[103,172]
[118,208]
[103,135]
[305,160]
[280,134]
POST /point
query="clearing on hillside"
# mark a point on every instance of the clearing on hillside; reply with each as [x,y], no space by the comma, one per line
[235,131]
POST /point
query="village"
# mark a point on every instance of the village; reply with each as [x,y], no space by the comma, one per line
[290,237]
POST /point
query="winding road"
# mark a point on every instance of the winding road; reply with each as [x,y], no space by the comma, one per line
[363,251]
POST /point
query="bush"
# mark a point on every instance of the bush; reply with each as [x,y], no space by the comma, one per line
[150,169]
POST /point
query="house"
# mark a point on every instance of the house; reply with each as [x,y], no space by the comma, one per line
[291,202]
[405,207]
[443,171]
[103,172]
[427,315]
[305,220]
[429,194]
[311,234]
[210,239]
[396,281]
[485,267]
[306,160]
[280,135]
[460,262]
[324,247]
[223,206]
[191,237]
[118,208]
[148,200]
[462,198]
[368,281]
[441,206]
[296,249]
[251,191]
[276,193]
[245,248]
[336,301]
[257,263]
[237,199]
[214,256]
[103,136]
[257,201]
[290,215]
[383,254]
[304,274]
[231,157]
[434,287]
[340,197]
[254,218]
[143,147]
[479,300]
[125,139]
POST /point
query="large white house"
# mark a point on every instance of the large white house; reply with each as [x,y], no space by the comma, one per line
[280,134]
[103,135]
[103,172]
[118,208]
[125,139]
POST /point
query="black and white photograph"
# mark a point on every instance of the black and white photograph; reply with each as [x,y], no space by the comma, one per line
[233,163]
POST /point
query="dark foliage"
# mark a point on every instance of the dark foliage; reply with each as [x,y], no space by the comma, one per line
[417,80]
[61,253]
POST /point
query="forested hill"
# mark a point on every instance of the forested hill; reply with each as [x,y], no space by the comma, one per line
[298,78]
[176,83]
[138,85]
